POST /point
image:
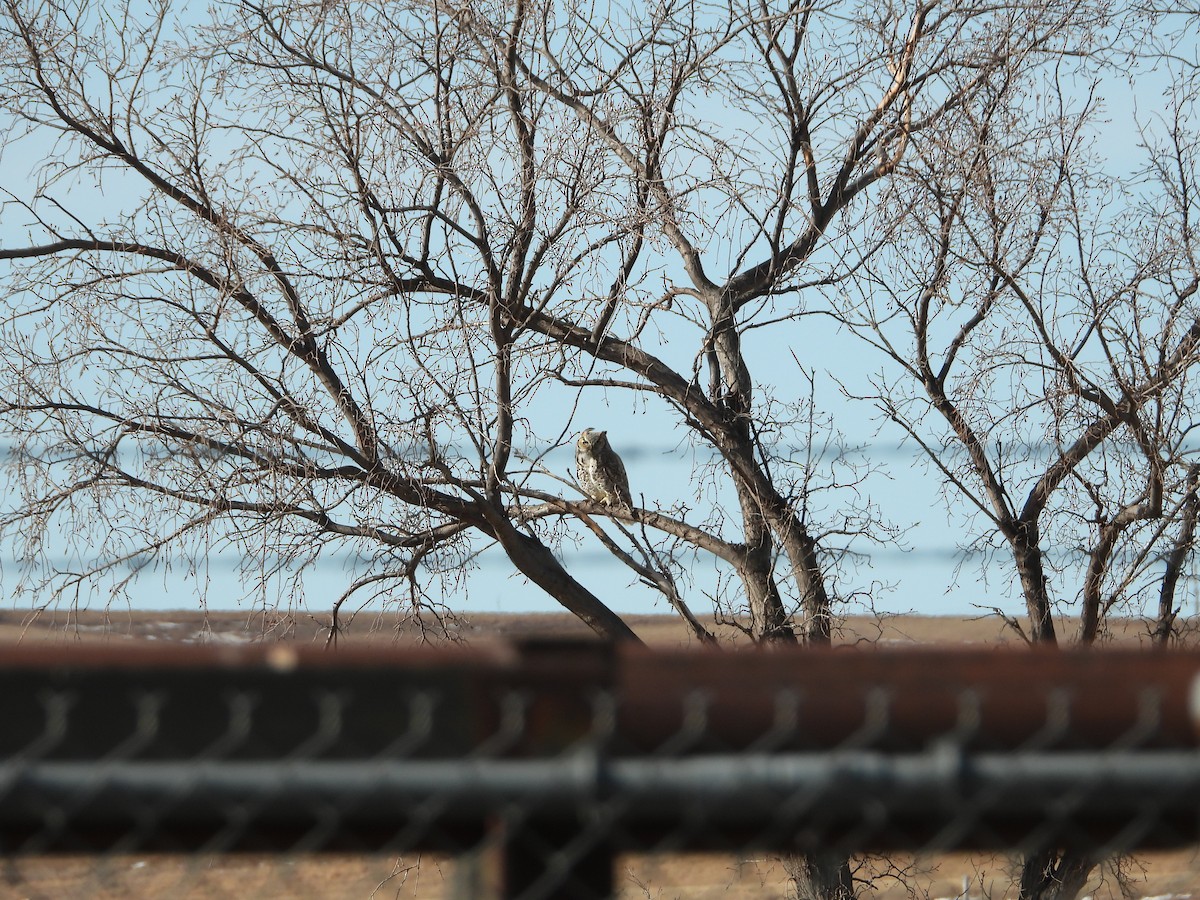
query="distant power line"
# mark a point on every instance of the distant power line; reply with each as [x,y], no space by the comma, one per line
[634,452]
[938,553]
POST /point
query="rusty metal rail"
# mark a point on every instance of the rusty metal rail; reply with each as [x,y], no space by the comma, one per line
[588,749]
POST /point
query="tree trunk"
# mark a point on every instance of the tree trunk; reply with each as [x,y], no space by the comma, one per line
[1028,557]
[1093,583]
[731,389]
[1167,608]
[1055,874]
[817,629]
[768,618]
[821,875]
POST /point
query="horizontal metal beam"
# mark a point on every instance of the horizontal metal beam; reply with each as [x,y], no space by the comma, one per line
[539,698]
[734,785]
[941,791]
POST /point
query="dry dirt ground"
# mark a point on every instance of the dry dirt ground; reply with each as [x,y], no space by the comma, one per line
[669,877]
[65,626]
[654,877]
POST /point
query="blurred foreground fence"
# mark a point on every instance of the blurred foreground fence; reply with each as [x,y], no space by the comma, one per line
[539,762]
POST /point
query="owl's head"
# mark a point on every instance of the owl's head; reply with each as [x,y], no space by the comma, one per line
[590,438]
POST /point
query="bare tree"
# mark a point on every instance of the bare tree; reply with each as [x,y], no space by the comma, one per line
[1042,352]
[1043,358]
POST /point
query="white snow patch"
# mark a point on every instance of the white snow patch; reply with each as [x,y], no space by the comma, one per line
[218,637]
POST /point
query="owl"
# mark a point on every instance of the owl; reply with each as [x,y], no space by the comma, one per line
[600,471]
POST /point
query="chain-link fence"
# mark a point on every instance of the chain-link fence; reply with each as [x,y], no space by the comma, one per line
[574,770]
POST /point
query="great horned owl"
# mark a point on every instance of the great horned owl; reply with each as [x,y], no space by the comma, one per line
[600,471]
